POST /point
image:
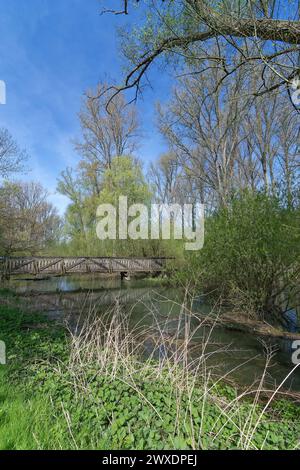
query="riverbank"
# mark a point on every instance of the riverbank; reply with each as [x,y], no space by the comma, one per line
[229,319]
[240,322]
[58,391]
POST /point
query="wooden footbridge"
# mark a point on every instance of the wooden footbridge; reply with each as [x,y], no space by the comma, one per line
[61,266]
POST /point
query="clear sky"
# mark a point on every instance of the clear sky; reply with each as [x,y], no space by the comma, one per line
[51,51]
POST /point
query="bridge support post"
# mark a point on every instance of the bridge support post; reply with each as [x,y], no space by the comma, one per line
[125,276]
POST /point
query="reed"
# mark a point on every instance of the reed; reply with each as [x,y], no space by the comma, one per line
[181,398]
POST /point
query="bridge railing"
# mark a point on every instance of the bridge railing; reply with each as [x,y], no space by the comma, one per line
[35,265]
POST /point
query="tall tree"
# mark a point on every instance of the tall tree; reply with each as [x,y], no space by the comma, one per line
[226,141]
[104,135]
[28,221]
[202,124]
[186,28]
[165,178]
[12,158]
[287,163]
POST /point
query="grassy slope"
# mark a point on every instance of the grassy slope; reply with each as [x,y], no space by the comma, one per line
[105,411]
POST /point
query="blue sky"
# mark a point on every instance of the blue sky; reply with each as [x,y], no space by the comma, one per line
[51,51]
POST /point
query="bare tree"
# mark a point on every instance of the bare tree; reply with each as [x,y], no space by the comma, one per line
[203,127]
[165,178]
[288,161]
[104,135]
[226,141]
[28,221]
[261,127]
[12,158]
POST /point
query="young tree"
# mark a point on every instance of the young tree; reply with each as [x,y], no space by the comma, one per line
[124,178]
[69,185]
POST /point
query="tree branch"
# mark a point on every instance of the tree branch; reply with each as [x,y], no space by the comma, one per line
[217,25]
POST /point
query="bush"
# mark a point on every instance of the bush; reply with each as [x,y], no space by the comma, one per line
[251,256]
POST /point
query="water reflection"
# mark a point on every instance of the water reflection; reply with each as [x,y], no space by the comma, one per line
[159,308]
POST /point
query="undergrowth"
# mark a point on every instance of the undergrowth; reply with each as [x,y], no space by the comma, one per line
[93,389]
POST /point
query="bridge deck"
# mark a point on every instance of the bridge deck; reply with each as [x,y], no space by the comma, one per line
[35,265]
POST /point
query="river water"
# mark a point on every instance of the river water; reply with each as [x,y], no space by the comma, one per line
[69,298]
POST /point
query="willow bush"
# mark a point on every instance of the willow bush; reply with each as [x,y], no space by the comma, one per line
[251,256]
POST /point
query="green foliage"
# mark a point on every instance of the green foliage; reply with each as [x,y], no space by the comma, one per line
[23,419]
[23,411]
[148,414]
[46,405]
[124,178]
[251,254]
[28,336]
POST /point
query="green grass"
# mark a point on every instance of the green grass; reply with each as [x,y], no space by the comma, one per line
[20,418]
[24,411]
[59,391]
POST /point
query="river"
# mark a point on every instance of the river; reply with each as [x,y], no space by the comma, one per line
[150,304]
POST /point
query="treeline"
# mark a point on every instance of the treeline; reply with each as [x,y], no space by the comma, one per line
[109,168]
[29,223]
[230,148]
[222,143]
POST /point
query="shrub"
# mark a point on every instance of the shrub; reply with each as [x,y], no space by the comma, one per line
[251,256]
